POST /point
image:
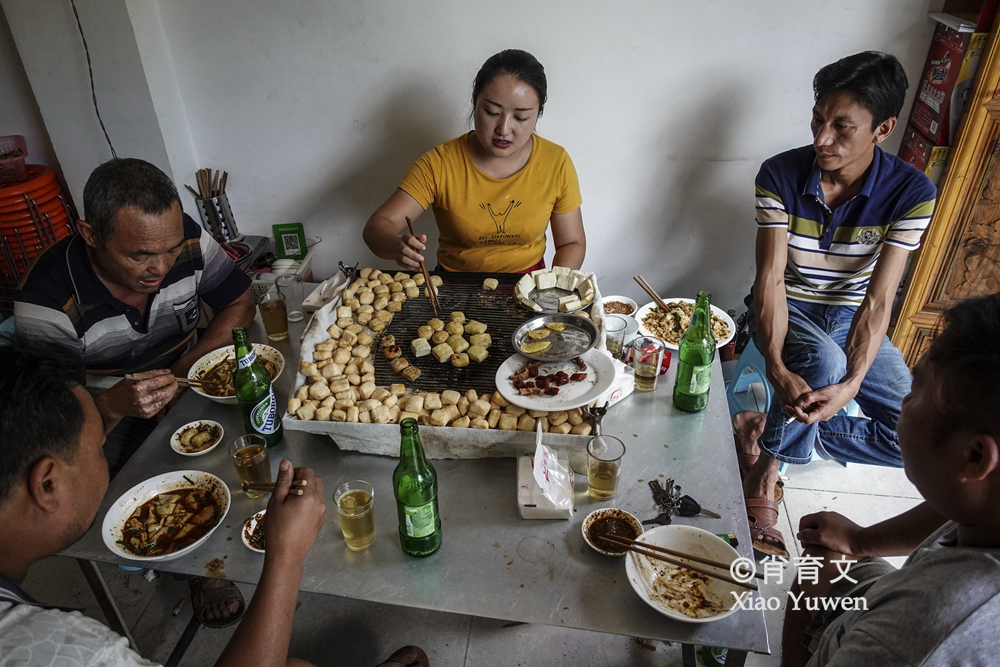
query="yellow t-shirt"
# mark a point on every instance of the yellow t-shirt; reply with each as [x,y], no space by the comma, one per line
[491,224]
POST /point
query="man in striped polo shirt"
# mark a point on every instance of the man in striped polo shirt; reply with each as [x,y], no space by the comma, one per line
[125,293]
[836,222]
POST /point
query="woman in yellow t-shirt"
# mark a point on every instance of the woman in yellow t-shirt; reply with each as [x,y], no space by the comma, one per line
[494,190]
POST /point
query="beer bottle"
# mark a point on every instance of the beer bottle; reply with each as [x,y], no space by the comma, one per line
[414,483]
[254,392]
[695,355]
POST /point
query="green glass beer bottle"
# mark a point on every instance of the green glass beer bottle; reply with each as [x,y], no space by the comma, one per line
[414,483]
[254,392]
[695,355]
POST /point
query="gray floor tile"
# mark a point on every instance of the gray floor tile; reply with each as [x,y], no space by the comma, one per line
[855,478]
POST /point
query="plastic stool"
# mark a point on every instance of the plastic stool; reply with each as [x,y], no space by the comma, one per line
[750,370]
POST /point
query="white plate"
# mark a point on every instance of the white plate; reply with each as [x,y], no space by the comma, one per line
[642,312]
[121,510]
[175,439]
[600,376]
[248,527]
[647,579]
[205,364]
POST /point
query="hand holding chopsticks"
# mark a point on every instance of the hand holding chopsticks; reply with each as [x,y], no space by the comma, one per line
[269,486]
[184,382]
[209,185]
[656,553]
[431,289]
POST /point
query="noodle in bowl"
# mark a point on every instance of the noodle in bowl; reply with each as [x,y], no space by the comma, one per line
[265,353]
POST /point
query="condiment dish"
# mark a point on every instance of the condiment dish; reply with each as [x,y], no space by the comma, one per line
[612,513]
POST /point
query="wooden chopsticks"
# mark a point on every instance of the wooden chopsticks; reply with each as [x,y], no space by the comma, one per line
[269,486]
[184,382]
[209,185]
[654,552]
[650,291]
[431,289]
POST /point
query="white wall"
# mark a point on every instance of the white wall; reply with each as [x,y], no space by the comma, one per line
[317,107]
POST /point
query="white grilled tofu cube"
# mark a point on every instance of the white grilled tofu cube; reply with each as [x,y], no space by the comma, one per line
[420,347]
[545,280]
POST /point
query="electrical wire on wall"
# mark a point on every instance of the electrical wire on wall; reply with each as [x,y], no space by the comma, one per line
[93,90]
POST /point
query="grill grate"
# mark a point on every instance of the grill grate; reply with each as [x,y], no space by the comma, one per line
[499,310]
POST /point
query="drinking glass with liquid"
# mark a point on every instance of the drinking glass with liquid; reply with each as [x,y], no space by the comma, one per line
[253,465]
[356,512]
[275,316]
[614,327]
[604,466]
[647,357]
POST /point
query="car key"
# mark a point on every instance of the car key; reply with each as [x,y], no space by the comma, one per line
[660,496]
[688,506]
[663,518]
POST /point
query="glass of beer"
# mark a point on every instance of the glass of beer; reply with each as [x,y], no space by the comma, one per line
[647,357]
[356,511]
[604,466]
[614,327]
[253,465]
[274,314]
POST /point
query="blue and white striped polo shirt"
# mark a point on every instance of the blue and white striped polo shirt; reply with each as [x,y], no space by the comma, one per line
[831,254]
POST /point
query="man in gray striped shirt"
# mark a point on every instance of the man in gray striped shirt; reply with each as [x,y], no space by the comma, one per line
[125,290]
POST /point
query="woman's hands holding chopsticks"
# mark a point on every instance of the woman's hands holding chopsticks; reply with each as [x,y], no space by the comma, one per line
[409,249]
[293,521]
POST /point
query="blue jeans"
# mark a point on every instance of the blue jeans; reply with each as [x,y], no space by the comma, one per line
[814,349]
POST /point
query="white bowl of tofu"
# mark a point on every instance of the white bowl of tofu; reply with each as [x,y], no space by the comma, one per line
[556,290]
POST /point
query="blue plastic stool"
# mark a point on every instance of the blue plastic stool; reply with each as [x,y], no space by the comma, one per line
[750,369]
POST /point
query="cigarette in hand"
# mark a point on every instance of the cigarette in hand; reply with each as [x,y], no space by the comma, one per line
[790,420]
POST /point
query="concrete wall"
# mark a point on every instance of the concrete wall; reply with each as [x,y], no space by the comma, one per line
[317,107]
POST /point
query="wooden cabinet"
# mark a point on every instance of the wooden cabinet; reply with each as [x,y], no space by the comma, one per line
[960,253]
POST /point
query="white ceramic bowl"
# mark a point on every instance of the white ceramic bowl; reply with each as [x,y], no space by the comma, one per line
[609,511]
[652,580]
[175,439]
[121,510]
[248,527]
[205,364]
[620,299]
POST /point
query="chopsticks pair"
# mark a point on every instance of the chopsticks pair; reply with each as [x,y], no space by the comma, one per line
[431,289]
[184,382]
[269,486]
[209,186]
[651,292]
[656,553]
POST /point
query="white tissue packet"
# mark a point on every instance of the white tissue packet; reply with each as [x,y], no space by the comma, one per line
[545,485]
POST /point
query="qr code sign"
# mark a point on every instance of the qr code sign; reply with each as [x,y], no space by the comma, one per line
[291,243]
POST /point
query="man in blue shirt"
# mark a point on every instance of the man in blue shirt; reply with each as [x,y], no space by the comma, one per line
[836,222]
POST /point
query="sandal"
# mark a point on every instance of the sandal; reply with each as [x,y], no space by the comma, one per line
[408,656]
[746,461]
[202,598]
[767,539]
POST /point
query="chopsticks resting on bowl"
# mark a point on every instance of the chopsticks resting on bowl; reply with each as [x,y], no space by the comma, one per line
[269,486]
[431,289]
[650,291]
[184,382]
[656,553]
[209,185]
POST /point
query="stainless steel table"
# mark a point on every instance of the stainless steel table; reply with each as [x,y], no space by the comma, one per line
[492,563]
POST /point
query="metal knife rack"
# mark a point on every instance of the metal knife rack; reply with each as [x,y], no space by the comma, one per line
[15,251]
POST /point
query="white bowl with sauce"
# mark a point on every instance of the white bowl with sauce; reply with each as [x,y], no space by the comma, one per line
[177,446]
[209,360]
[122,509]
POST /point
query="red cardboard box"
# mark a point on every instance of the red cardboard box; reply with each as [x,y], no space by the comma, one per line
[919,151]
[936,84]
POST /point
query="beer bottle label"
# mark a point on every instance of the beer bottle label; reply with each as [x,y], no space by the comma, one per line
[245,362]
[421,520]
[701,379]
[263,416]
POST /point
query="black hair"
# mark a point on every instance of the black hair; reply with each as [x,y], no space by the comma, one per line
[125,182]
[515,62]
[876,80]
[39,413]
[965,358]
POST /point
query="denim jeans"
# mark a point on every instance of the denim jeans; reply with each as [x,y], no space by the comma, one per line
[814,349]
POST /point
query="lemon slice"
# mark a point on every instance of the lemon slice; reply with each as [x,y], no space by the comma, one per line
[555,326]
[538,334]
[535,348]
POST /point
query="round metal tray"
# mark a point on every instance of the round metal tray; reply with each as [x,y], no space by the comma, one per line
[581,334]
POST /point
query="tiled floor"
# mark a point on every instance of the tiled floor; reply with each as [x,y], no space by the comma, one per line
[330,630]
